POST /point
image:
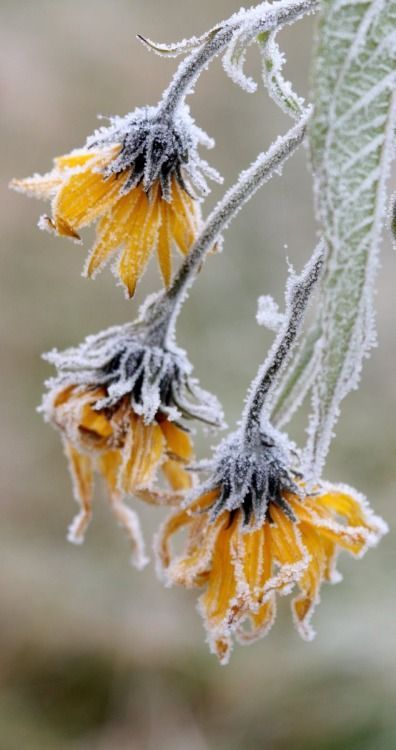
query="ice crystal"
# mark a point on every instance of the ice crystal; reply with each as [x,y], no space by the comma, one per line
[279,89]
[233,37]
[250,477]
[157,146]
[126,362]
[268,313]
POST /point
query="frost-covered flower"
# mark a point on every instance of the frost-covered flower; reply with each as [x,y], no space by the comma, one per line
[119,401]
[137,178]
[254,531]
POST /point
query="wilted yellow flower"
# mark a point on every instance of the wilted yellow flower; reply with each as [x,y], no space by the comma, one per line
[135,179]
[264,546]
[120,401]
[117,444]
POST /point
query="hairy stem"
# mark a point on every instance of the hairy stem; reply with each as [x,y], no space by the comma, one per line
[298,294]
[264,18]
[168,305]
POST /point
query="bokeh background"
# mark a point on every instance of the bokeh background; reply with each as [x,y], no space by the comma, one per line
[93,654]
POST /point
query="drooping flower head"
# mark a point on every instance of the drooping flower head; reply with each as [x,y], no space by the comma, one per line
[255,529]
[255,532]
[140,178]
[120,401]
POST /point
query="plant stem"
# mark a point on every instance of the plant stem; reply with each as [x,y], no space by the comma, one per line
[167,307]
[298,294]
[264,18]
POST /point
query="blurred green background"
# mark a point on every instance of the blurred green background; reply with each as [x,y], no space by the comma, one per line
[93,654]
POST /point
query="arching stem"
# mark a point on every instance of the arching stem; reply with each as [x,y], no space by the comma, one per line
[165,310]
[263,18]
[298,294]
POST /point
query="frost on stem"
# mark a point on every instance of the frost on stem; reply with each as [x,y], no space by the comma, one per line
[140,177]
[250,180]
[253,533]
[253,529]
[299,289]
[233,35]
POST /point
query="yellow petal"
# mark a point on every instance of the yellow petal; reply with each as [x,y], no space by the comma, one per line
[178,520]
[178,478]
[186,208]
[94,422]
[143,452]
[173,523]
[310,581]
[113,231]
[80,466]
[142,240]
[80,157]
[351,538]
[344,505]
[183,219]
[178,441]
[218,602]
[284,539]
[193,568]
[165,244]
[256,560]
[183,235]
[84,196]
[109,465]
[38,186]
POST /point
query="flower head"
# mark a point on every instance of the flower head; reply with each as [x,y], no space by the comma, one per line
[136,178]
[254,531]
[118,401]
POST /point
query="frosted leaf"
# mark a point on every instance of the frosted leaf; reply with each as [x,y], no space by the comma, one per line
[234,60]
[232,36]
[392,219]
[178,48]
[268,313]
[260,25]
[278,88]
[352,147]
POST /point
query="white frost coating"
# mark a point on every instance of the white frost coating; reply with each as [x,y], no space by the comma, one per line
[352,148]
[250,180]
[129,361]
[279,89]
[235,57]
[240,30]
[156,146]
[262,392]
[297,381]
[268,313]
